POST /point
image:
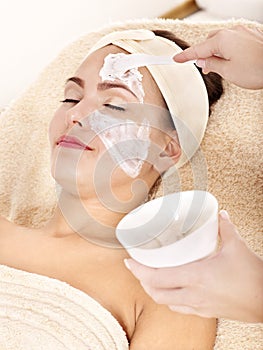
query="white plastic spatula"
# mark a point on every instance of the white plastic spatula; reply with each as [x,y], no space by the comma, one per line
[127,62]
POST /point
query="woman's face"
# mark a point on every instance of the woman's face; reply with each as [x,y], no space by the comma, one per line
[82,158]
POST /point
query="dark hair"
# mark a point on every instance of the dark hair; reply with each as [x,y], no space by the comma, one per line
[212,80]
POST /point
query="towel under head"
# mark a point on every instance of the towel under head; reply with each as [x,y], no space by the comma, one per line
[231,149]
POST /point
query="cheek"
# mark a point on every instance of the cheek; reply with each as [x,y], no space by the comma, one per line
[126,142]
[56,126]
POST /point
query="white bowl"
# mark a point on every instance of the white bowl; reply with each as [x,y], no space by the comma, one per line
[171,230]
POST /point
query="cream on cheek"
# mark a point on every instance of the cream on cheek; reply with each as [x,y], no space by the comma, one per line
[126,141]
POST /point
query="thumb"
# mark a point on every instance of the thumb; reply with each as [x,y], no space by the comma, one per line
[213,64]
[227,229]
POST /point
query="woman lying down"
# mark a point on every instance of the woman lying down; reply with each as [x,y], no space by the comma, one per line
[112,139]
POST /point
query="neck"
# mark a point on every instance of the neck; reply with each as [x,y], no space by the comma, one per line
[88,218]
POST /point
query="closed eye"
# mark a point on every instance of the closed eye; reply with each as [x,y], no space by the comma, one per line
[70,100]
[117,108]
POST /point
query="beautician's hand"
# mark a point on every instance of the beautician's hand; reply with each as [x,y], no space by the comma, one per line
[227,284]
[236,54]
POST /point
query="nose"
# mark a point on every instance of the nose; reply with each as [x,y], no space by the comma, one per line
[74,118]
[77,114]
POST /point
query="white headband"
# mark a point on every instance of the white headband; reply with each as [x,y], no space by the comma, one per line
[182,86]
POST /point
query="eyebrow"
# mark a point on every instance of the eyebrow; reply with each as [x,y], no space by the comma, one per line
[113,85]
[77,81]
[102,86]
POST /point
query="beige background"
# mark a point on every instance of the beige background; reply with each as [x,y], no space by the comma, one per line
[33,32]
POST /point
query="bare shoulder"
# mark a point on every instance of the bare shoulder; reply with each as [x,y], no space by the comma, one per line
[5,225]
[7,228]
[160,328]
[149,325]
[2,219]
[118,291]
[11,244]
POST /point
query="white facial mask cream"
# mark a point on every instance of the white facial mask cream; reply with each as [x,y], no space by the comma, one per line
[127,142]
[132,78]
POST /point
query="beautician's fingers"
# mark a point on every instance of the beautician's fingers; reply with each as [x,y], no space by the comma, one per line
[228,283]
[189,300]
[189,296]
[203,50]
[189,274]
[213,33]
[218,42]
[227,230]
[188,310]
[236,54]
[183,309]
[164,277]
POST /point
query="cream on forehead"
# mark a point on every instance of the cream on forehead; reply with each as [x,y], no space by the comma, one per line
[132,78]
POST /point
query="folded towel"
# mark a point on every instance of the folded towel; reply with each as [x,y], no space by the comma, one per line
[39,312]
[232,148]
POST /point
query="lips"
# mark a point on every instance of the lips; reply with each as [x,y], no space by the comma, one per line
[72,142]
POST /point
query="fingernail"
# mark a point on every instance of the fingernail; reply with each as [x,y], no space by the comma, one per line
[200,63]
[176,56]
[126,263]
[224,215]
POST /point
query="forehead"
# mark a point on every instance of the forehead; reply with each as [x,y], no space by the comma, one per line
[91,66]
[95,60]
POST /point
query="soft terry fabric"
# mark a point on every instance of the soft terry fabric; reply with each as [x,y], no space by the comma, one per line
[232,148]
[38,312]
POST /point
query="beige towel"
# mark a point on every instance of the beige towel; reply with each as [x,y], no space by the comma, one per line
[38,312]
[232,148]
